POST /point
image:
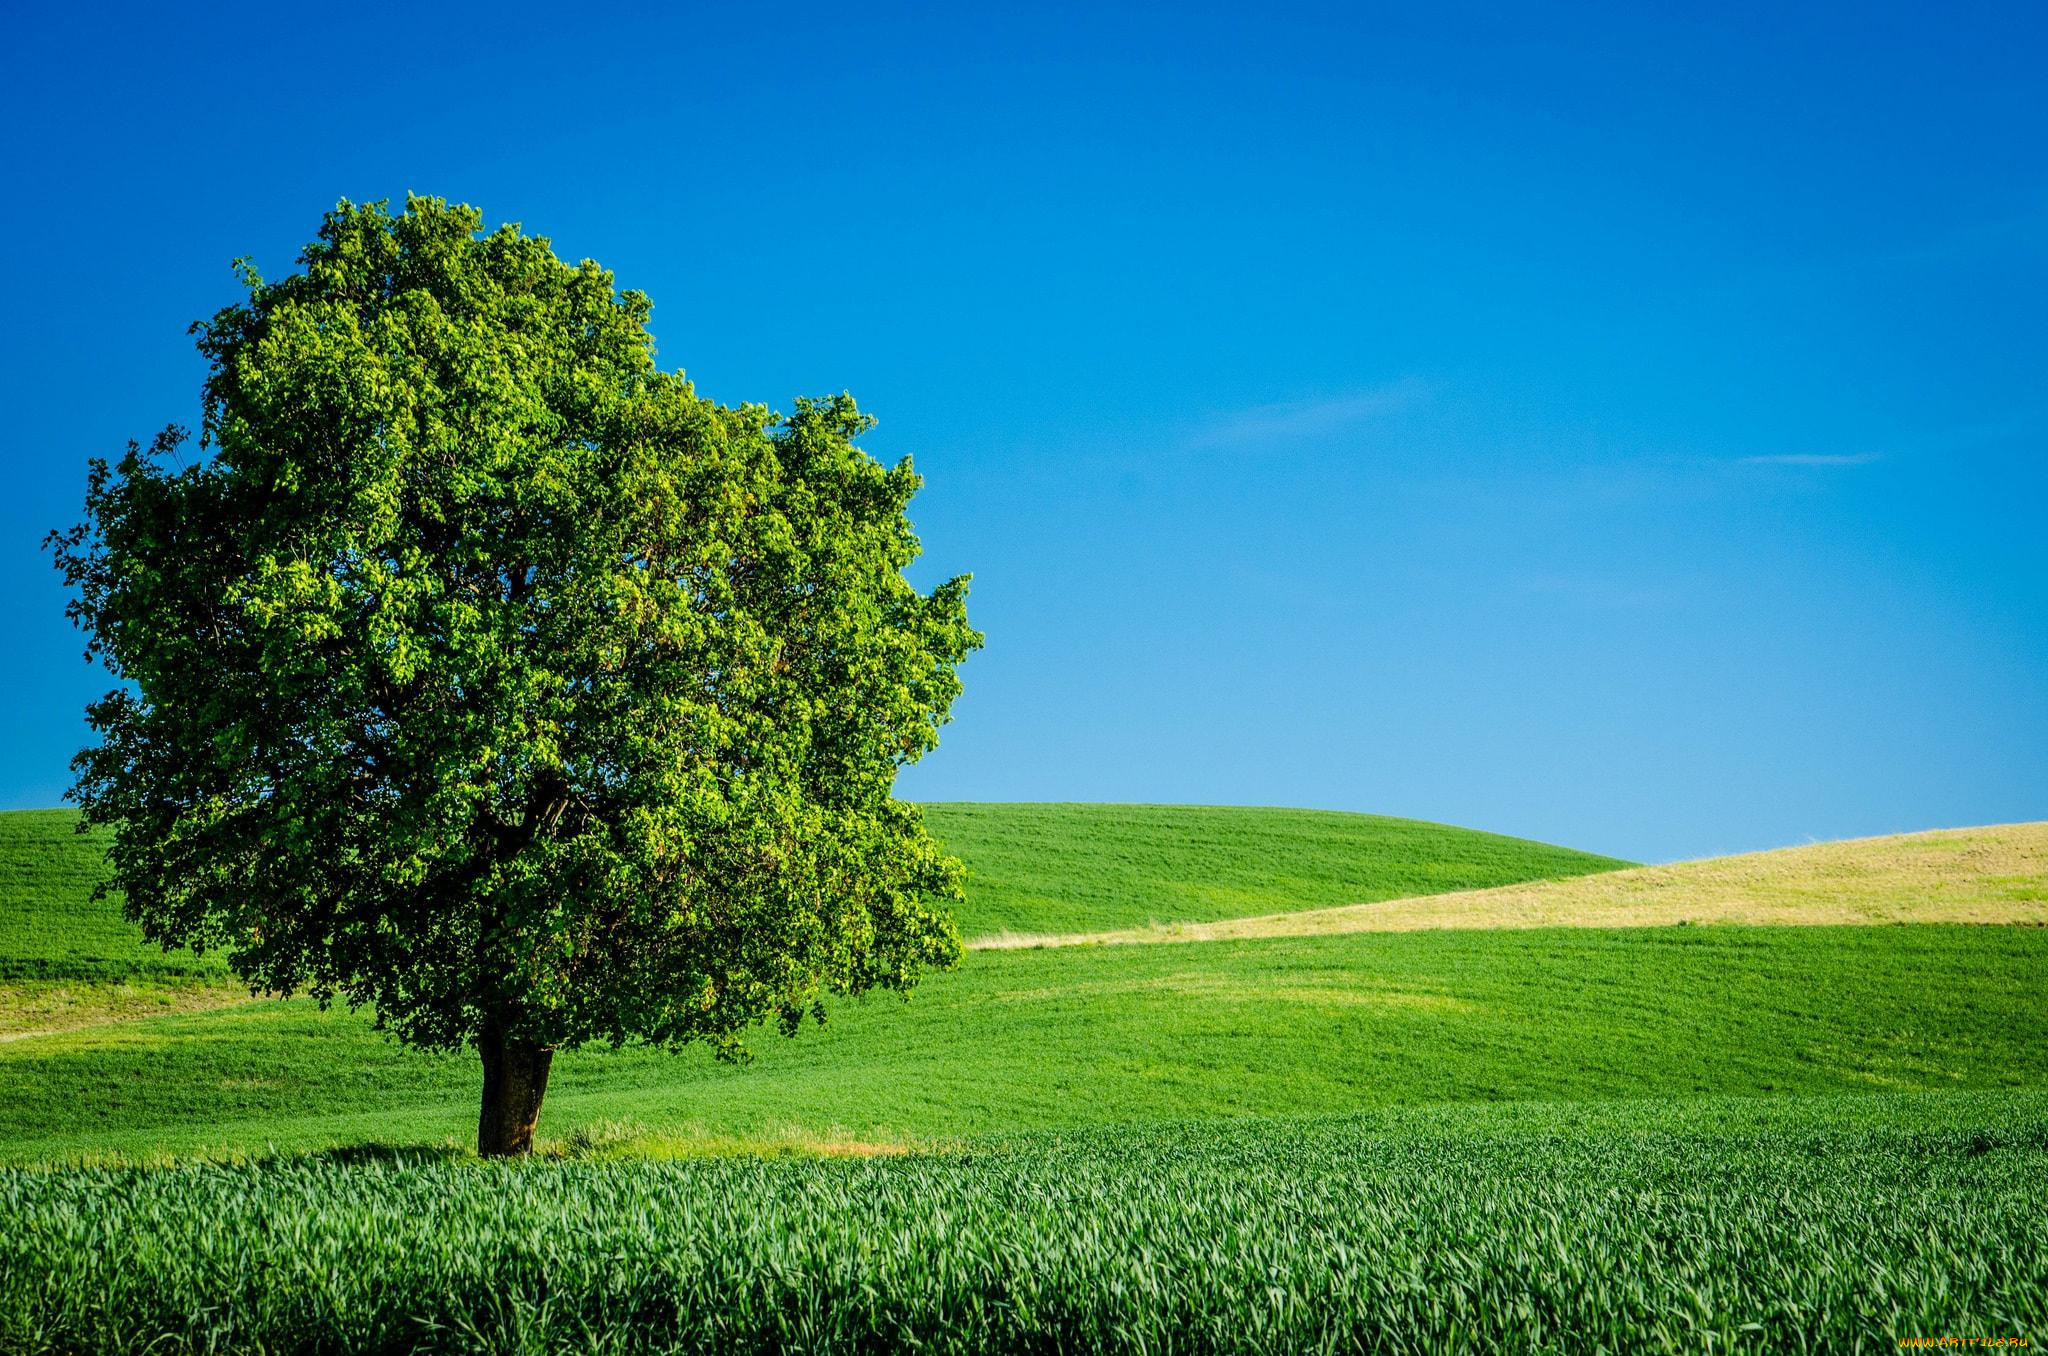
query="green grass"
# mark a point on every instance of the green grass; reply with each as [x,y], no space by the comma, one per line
[50,926]
[1090,868]
[1032,868]
[1092,1035]
[1715,1226]
[1631,1138]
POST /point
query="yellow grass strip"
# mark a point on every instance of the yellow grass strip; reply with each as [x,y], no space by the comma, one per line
[617,1140]
[1996,874]
[44,1007]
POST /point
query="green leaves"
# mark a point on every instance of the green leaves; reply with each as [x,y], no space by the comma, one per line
[483,670]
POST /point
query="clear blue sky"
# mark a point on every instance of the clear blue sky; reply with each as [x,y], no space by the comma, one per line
[1578,421]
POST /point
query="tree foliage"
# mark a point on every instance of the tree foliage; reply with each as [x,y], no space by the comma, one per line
[479,671]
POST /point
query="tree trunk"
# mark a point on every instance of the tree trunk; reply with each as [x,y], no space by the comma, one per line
[515,1079]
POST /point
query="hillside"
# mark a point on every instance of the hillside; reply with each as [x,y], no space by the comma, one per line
[1059,1038]
[1032,868]
[1071,868]
[1506,1006]
[50,925]
[1995,874]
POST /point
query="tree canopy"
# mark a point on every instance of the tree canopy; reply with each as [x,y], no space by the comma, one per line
[477,670]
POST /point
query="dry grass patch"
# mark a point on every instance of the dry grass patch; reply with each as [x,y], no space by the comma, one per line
[626,1142]
[1995,875]
[47,1007]
[1345,990]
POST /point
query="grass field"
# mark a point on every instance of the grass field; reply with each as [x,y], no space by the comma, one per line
[68,962]
[1723,1226]
[1996,874]
[1032,868]
[1029,1039]
[1817,1124]
[50,926]
[1074,868]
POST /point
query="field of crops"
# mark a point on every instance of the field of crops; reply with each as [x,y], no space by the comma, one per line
[1833,1225]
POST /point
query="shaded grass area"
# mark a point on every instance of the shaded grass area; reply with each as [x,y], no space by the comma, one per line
[1065,1038]
[1995,874]
[1843,1224]
[1083,868]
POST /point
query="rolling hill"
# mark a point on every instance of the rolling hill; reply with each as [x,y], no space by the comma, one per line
[1399,1079]
[1031,868]
[50,925]
[1343,1017]
[1066,1038]
[1995,874]
[1038,868]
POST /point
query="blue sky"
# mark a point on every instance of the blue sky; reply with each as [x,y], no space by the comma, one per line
[1608,426]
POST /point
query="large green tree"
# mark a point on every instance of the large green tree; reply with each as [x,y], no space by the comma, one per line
[477,670]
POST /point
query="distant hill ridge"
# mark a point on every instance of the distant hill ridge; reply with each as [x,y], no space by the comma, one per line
[1996,874]
[1033,868]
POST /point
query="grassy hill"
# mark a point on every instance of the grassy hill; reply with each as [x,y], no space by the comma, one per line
[1401,1079]
[1075,868]
[1341,1018]
[1032,868]
[70,963]
[1061,1038]
[1996,874]
[50,926]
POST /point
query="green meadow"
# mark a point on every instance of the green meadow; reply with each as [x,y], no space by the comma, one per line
[1540,1137]
[1069,1037]
[1035,868]
[50,925]
[1087,868]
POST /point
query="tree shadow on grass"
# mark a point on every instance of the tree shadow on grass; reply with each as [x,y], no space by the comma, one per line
[382,1155]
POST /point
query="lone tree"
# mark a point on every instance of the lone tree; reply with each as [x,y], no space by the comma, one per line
[486,675]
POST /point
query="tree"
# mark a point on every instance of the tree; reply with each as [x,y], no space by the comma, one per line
[478,671]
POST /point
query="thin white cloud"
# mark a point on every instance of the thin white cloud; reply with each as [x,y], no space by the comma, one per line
[1813,459]
[1293,420]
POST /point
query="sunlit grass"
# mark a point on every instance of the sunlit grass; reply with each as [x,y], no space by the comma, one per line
[1837,1224]
[1992,875]
[1117,1035]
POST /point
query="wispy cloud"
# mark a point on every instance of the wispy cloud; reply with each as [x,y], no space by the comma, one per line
[1292,420]
[1813,459]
